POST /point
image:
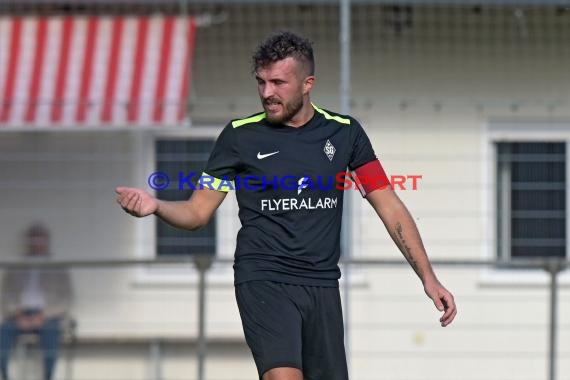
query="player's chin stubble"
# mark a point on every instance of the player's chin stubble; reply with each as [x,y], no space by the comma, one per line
[289,111]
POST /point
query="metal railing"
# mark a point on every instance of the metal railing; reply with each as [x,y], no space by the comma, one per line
[553,267]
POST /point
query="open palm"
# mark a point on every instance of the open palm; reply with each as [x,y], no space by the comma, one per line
[135,201]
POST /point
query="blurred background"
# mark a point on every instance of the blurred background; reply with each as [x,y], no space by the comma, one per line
[474,96]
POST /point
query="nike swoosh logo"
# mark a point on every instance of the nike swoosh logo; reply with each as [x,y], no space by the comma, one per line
[262,156]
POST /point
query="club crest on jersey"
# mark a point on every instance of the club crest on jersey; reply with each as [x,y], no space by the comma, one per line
[329,150]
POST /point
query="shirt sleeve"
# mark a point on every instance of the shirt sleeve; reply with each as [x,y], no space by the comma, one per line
[362,151]
[223,164]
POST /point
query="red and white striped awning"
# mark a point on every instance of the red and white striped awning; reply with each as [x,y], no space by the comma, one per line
[94,71]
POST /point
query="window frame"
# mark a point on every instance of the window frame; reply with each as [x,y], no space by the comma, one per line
[503,191]
[502,130]
[144,159]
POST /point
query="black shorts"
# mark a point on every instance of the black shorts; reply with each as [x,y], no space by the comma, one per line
[294,326]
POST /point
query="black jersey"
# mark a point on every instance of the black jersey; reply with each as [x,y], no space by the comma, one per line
[290,201]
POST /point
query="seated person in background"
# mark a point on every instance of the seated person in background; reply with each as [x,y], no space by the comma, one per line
[34,301]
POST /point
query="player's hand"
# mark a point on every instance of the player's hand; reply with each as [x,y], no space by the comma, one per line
[136,202]
[37,320]
[443,301]
[24,322]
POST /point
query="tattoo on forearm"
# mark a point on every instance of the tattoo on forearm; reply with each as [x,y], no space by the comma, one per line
[406,250]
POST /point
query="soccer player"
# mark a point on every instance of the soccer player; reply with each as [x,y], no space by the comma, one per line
[283,163]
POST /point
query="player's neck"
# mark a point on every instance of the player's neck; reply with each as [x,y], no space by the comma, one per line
[303,116]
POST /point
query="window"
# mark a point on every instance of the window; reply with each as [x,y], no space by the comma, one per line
[531,200]
[174,156]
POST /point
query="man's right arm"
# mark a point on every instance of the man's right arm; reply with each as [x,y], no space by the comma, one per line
[190,215]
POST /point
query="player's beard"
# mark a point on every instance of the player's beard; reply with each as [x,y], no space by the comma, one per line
[290,109]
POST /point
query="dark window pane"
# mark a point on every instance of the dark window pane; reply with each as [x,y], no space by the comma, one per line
[538,228]
[535,148]
[539,200]
[538,172]
[186,160]
[542,252]
[531,179]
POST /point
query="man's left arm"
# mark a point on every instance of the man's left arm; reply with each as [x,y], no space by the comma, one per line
[403,230]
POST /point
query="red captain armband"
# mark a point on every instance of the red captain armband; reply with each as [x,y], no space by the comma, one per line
[370,177]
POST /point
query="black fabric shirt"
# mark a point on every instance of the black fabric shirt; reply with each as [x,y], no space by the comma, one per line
[286,183]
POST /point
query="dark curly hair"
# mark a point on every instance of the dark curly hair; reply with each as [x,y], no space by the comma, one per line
[283,45]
